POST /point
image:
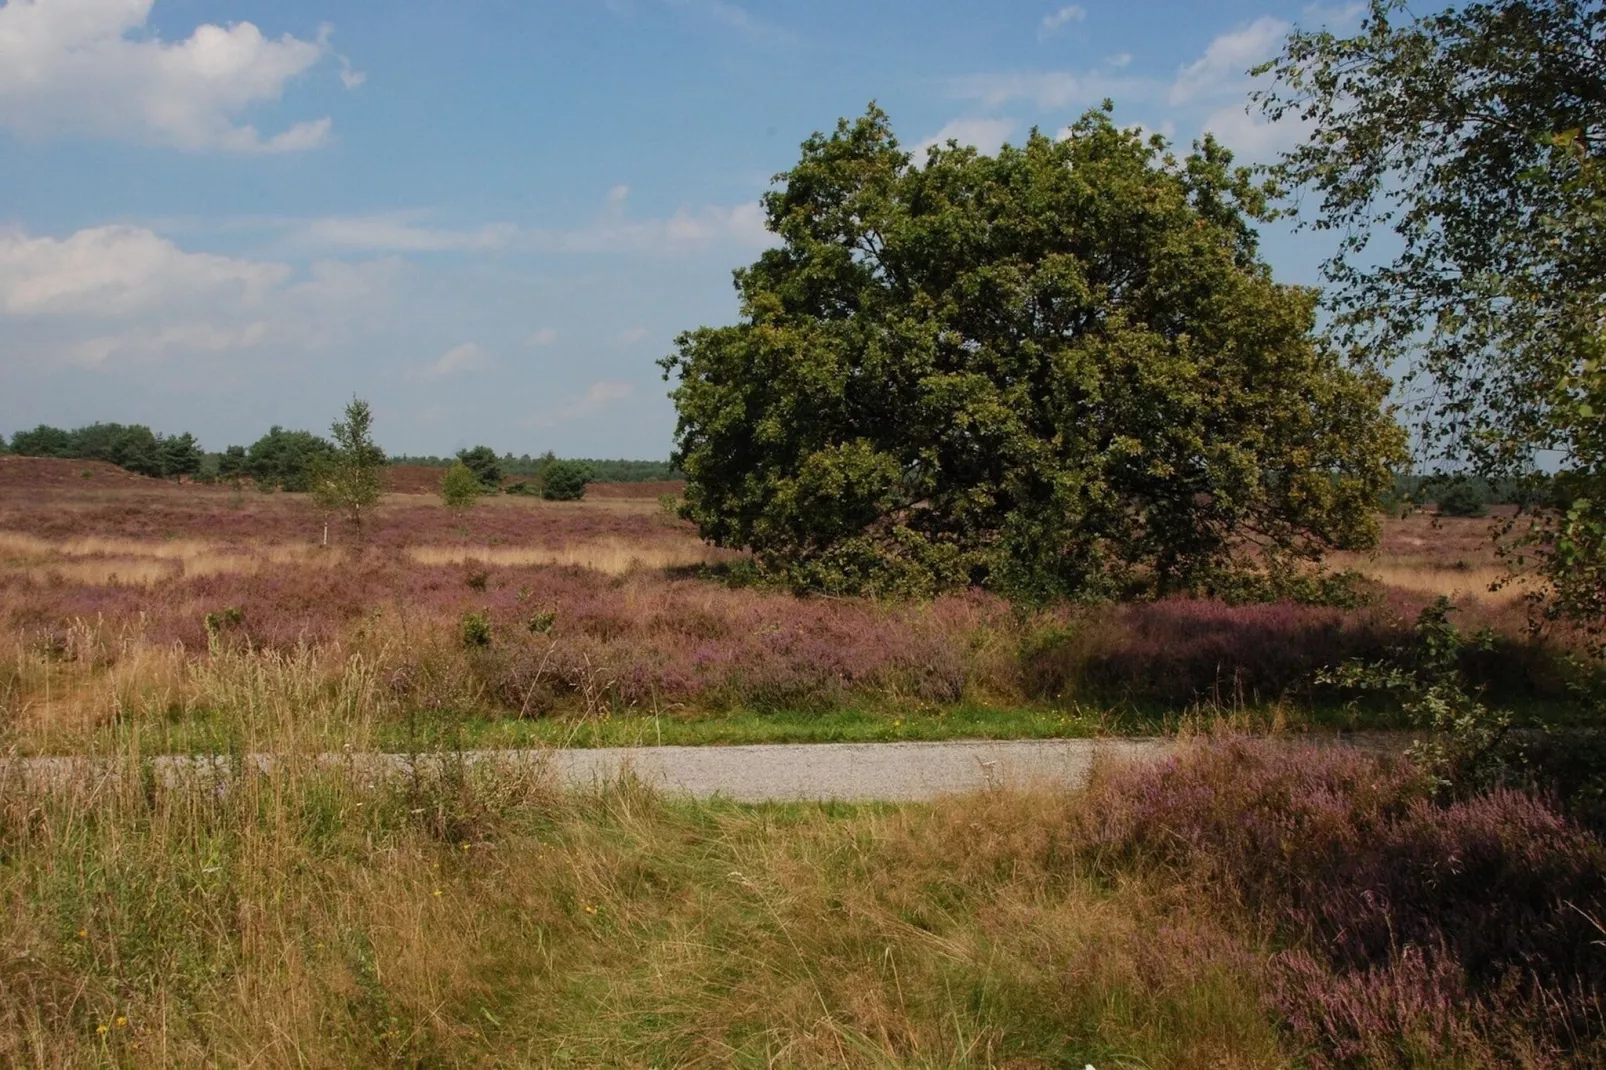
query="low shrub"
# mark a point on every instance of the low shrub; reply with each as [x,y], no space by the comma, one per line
[476,630]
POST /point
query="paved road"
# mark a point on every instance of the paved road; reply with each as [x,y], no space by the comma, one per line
[895,772]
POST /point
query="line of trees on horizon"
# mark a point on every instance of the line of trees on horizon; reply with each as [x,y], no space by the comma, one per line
[284,459]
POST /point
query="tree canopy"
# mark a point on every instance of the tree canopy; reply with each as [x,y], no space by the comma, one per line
[1477,136]
[486,466]
[1063,370]
[285,459]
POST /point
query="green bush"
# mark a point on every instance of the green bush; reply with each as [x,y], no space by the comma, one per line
[565,481]
[476,630]
[486,466]
[1462,498]
[459,487]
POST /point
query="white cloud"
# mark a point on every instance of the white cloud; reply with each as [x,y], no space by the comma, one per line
[84,66]
[631,335]
[464,357]
[986,135]
[118,270]
[1251,137]
[1054,21]
[125,293]
[1224,67]
[400,232]
[1120,61]
[544,337]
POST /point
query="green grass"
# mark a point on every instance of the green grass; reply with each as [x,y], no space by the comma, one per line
[753,726]
[209,730]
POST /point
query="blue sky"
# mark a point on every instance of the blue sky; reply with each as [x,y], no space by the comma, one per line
[489,218]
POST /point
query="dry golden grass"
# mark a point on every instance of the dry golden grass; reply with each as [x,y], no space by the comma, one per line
[613,556]
[102,561]
[304,918]
[1455,583]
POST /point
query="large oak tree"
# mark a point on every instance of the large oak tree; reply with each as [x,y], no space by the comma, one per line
[1061,370]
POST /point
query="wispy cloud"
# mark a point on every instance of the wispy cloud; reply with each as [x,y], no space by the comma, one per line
[399,232]
[1055,89]
[600,395]
[544,337]
[727,16]
[1224,67]
[350,77]
[1055,21]
[463,357]
[687,229]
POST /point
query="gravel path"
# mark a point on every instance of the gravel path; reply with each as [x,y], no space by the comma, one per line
[846,771]
[891,771]
[894,772]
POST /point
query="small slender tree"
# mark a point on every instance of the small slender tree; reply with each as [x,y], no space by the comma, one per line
[349,481]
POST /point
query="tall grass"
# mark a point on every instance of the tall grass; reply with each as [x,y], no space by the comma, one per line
[1220,910]
[300,916]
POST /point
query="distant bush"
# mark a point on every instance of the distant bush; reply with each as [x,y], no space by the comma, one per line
[483,462]
[460,487]
[1463,498]
[531,468]
[565,481]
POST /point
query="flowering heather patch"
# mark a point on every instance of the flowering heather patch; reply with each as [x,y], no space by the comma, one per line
[250,517]
[1423,924]
[157,561]
[1182,651]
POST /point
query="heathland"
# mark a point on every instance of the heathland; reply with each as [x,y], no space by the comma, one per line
[1235,906]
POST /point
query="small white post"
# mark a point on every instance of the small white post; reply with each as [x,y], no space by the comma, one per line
[326,533]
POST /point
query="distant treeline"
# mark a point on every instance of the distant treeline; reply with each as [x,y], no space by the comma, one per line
[1470,496]
[132,446]
[281,459]
[603,471]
